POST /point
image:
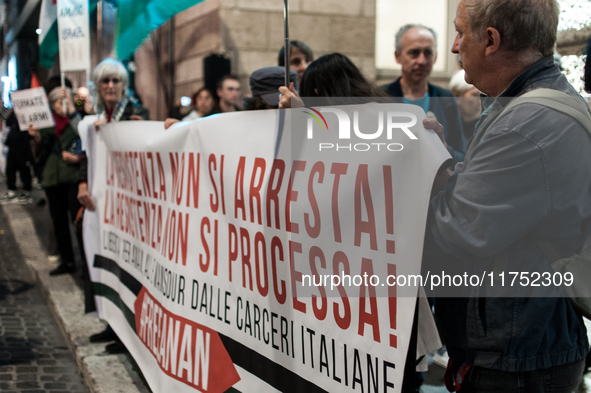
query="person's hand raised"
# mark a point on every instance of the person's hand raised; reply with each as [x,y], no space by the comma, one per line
[70,108]
[289,98]
[34,132]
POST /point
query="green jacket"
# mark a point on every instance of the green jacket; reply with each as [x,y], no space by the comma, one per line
[55,169]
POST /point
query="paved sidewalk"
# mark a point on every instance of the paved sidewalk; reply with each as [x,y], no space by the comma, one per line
[102,372]
[33,352]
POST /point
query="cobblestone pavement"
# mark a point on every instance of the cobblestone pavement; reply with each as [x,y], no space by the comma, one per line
[33,353]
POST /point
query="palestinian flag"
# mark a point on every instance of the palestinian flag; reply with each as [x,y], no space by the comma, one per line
[48,39]
[136,19]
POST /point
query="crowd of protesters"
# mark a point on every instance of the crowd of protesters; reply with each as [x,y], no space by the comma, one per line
[516,178]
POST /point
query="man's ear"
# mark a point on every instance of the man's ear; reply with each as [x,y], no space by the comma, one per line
[397,56]
[492,38]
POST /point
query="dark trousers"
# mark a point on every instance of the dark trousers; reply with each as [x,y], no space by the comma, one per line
[16,161]
[62,200]
[559,379]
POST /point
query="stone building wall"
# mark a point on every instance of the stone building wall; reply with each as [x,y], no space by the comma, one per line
[253,31]
[250,33]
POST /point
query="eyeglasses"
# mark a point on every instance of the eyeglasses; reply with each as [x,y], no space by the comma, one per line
[105,81]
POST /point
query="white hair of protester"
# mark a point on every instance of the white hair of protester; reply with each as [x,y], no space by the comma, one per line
[105,69]
[458,84]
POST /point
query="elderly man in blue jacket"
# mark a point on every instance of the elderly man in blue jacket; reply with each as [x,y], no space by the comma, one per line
[525,179]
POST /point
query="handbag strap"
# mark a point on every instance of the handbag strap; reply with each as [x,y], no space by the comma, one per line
[560,102]
[556,100]
[548,250]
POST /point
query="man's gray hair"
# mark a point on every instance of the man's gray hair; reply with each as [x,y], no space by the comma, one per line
[107,68]
[405,28]
[523,24]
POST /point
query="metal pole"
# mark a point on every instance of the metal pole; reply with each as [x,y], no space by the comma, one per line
[89,68]
[286,47]
[63,82]
[99,29]
[62,74]
[171,96]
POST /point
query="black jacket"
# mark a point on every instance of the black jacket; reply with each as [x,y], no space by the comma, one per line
[16,139]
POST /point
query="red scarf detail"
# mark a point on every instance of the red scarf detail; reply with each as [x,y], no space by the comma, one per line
[109,114]
[61,122]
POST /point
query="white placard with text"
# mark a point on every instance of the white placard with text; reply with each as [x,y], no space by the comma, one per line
[31,107]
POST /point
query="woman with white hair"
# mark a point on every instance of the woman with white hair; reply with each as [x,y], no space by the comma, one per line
[60,156]
[113,101]
[114,104]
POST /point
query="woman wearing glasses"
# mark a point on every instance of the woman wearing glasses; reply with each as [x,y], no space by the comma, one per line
[114,104]
[113,100]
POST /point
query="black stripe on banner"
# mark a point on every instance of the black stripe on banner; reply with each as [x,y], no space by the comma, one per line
[111,294]
[272,373]
[258,365]
[126,279]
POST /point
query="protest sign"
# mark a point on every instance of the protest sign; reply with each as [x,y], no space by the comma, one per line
[209,239]
[74,35]
[31,107]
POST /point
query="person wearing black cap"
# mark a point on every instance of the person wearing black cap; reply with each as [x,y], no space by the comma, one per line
[264,86]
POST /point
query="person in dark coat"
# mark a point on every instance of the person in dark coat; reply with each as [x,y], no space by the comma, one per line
[60,156]
[17,160]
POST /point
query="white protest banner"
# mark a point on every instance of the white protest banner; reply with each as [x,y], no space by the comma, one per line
[215,246]
[31,107]
[84,128]
[74,34]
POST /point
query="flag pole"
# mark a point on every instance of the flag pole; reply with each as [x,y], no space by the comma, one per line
[63,82]
[89,83]
[99,29]
[286,46]
[62,74]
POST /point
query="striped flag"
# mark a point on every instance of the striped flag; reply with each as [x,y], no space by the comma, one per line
[137,18]
[48,42]
[35,81]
